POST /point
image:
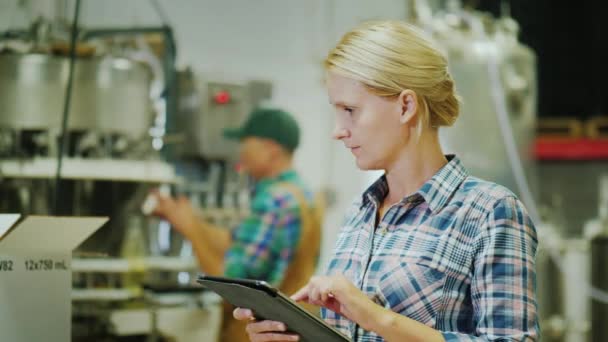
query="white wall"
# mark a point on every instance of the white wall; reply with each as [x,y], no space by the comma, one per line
[284,41]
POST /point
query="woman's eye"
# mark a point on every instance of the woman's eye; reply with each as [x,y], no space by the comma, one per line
[348,110]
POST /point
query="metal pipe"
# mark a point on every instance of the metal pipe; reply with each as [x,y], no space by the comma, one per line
[577,306]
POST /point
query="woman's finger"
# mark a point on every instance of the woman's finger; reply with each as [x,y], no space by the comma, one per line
[243,314]
[314,294]
[265,326]
[272,337]
[302,294]
[325,291]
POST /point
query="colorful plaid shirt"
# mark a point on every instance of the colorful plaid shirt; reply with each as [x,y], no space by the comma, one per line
[265,241]
[458,256]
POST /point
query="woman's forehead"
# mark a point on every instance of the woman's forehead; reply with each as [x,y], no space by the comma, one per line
[333,78]
[343,90]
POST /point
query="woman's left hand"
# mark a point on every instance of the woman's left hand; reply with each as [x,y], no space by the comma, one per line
[337,293]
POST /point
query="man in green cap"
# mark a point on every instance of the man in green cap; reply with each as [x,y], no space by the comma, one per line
[266,243]
[279,240]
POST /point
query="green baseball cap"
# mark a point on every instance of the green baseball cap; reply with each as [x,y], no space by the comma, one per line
[273,124]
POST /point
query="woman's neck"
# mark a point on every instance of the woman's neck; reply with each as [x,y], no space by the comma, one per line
[415,165]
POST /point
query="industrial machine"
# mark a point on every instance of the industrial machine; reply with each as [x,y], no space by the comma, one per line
[134,124]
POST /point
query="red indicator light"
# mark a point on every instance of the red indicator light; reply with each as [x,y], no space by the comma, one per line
[222,97]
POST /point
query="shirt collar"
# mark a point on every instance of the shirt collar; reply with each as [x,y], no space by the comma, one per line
[288,175]
[376,192]
[436,192]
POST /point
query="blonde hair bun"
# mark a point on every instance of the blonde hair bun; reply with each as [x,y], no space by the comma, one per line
[391,56]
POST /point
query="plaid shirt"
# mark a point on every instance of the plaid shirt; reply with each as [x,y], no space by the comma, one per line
[265,241]
[457,256]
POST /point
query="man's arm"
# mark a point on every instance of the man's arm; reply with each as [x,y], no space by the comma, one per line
[249,252]
[209,242]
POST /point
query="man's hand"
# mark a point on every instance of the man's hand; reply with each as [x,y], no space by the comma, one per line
[179,212]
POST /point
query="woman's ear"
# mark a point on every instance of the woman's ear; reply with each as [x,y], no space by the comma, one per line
[409,106]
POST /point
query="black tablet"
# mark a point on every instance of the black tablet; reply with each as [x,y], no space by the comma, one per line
[268,303]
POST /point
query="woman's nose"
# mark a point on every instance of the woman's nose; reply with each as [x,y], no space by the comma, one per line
[340,133]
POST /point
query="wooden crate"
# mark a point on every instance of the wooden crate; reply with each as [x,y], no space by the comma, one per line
[597,127]
[560,128]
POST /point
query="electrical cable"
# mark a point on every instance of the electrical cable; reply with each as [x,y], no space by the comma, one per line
[66,109]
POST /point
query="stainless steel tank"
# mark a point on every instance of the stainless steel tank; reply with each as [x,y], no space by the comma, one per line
[110,95]
[474,45]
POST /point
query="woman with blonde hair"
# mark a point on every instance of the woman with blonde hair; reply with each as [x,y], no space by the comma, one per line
[428,252]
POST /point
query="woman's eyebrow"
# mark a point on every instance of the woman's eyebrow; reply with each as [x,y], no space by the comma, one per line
[341,104]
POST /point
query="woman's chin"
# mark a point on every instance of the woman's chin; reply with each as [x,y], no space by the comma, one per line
[364,165]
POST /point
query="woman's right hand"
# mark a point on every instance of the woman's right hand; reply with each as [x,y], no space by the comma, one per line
[264,330]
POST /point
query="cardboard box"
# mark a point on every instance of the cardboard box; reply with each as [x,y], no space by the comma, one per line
[36,277]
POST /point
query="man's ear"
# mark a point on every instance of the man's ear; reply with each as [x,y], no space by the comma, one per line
[272,146]
[408,101]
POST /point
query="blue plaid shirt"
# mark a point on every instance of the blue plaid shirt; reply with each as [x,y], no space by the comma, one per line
[458,256]
[264,243]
